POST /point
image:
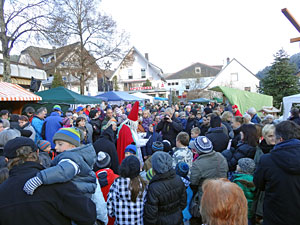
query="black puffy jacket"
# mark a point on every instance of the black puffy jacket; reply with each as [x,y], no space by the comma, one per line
[106,143]
[166,198]
[243,150]
[218,138]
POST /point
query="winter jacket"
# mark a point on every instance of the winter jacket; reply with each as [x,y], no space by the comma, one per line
[245,182]
[30,128]
[209,165]
[120,206]
[183,122]
[37,124]
[96,124]
[228,128]
[64,169]
[55,204]
[218,138]
[166,198]
[155,136]
[278,174]
[170,130]
[89,128]
[255,119]
[51,125]
[204,129]
[190,124]
[106,143]
[182,155]
[146,123]
[243,150]
[295,119]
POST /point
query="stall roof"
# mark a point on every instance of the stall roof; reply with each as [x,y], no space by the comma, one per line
[245,99]
[201,100]
[61,95]
[14,92]
[118,96]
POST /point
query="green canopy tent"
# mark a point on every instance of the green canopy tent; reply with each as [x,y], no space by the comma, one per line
[61,95]
[244,99]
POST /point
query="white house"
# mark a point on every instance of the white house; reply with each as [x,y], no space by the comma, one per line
[235,75]
[195,76]
[135,72]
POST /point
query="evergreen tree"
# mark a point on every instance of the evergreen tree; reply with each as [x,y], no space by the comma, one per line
[280,80]
[57,81]
[147,83]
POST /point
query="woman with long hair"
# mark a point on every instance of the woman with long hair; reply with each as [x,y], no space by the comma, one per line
[223,203]
[246,148]
[125,200]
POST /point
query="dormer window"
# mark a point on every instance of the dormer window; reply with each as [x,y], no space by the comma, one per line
[143,73]
[197,69]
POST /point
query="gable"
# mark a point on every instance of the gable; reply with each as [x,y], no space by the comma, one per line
[196,70]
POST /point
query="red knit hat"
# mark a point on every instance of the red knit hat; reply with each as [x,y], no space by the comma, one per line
[134,113]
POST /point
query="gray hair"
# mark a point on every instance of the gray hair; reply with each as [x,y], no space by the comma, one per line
[7,135]
[252,111]
[247,118]
[40,110]
[169,110]
[267,129]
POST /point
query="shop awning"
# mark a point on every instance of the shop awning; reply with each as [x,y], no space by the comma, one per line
[13,92]
[18,80]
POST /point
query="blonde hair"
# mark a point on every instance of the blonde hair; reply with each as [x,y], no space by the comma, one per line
[223,203]
[225,116]
[267,129]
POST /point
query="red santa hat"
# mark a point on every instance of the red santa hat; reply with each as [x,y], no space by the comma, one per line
[134,113]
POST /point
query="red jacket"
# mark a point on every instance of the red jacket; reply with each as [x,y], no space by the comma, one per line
[238,113]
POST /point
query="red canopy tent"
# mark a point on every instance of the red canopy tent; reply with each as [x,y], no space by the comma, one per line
[13,97]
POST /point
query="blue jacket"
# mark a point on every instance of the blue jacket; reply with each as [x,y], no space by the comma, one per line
[278,174]
[64,169]
[232,155]
[52,124]
[255,119]
[37,124]
[155,136]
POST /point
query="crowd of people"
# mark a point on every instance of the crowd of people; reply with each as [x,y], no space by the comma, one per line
[149,164]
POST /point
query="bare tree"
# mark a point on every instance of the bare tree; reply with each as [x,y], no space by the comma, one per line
[18,20]
[79,21]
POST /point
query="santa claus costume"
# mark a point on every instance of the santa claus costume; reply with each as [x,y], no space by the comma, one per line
[127,134]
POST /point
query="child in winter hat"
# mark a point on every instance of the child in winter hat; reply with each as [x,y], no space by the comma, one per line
[73,163]
[130,150]
[45,154]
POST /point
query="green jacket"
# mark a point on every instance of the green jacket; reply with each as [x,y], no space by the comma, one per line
[245,182]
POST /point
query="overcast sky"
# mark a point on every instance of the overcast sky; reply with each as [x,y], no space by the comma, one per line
[178,33]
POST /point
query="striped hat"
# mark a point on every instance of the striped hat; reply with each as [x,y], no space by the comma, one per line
[157,146]
[69,135]
[201,144]
[43,144]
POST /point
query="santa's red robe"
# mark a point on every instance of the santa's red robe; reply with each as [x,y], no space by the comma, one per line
[124,139]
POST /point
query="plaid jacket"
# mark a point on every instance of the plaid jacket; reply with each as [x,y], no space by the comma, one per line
[120,206]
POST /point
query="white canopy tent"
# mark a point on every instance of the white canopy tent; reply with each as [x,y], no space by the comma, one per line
[143,96]
[288,103]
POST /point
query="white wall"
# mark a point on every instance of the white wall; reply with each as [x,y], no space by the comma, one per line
[244,78]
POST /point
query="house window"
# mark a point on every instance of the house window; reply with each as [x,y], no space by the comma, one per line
[187,87]
[197,69]
[143,73]
[177,93]
[173,84]
[130,74]
[176,83]
[169,84]
[86,88]
[234,76]
[247,88]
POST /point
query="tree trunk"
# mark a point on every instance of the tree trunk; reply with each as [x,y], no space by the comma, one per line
[5,48]
[82,84]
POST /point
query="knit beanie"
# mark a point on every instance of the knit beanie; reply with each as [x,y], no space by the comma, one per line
[247,165]
[161,162]
[103,160]
[201,144]
[43,144]
[130,167]
[150,174]
[131,148]
[182,169]
[157,146]
[167,146]
[69,135]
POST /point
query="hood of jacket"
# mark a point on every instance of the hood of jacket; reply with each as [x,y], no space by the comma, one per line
[84,156]
[287,156]
[108,133]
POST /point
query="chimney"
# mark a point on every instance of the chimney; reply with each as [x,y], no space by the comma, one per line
[147,56]
[228,60]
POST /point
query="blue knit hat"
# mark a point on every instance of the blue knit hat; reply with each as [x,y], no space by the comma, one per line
[69,135]
[201,144]
[182,169]
[131,148]
[157,146]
